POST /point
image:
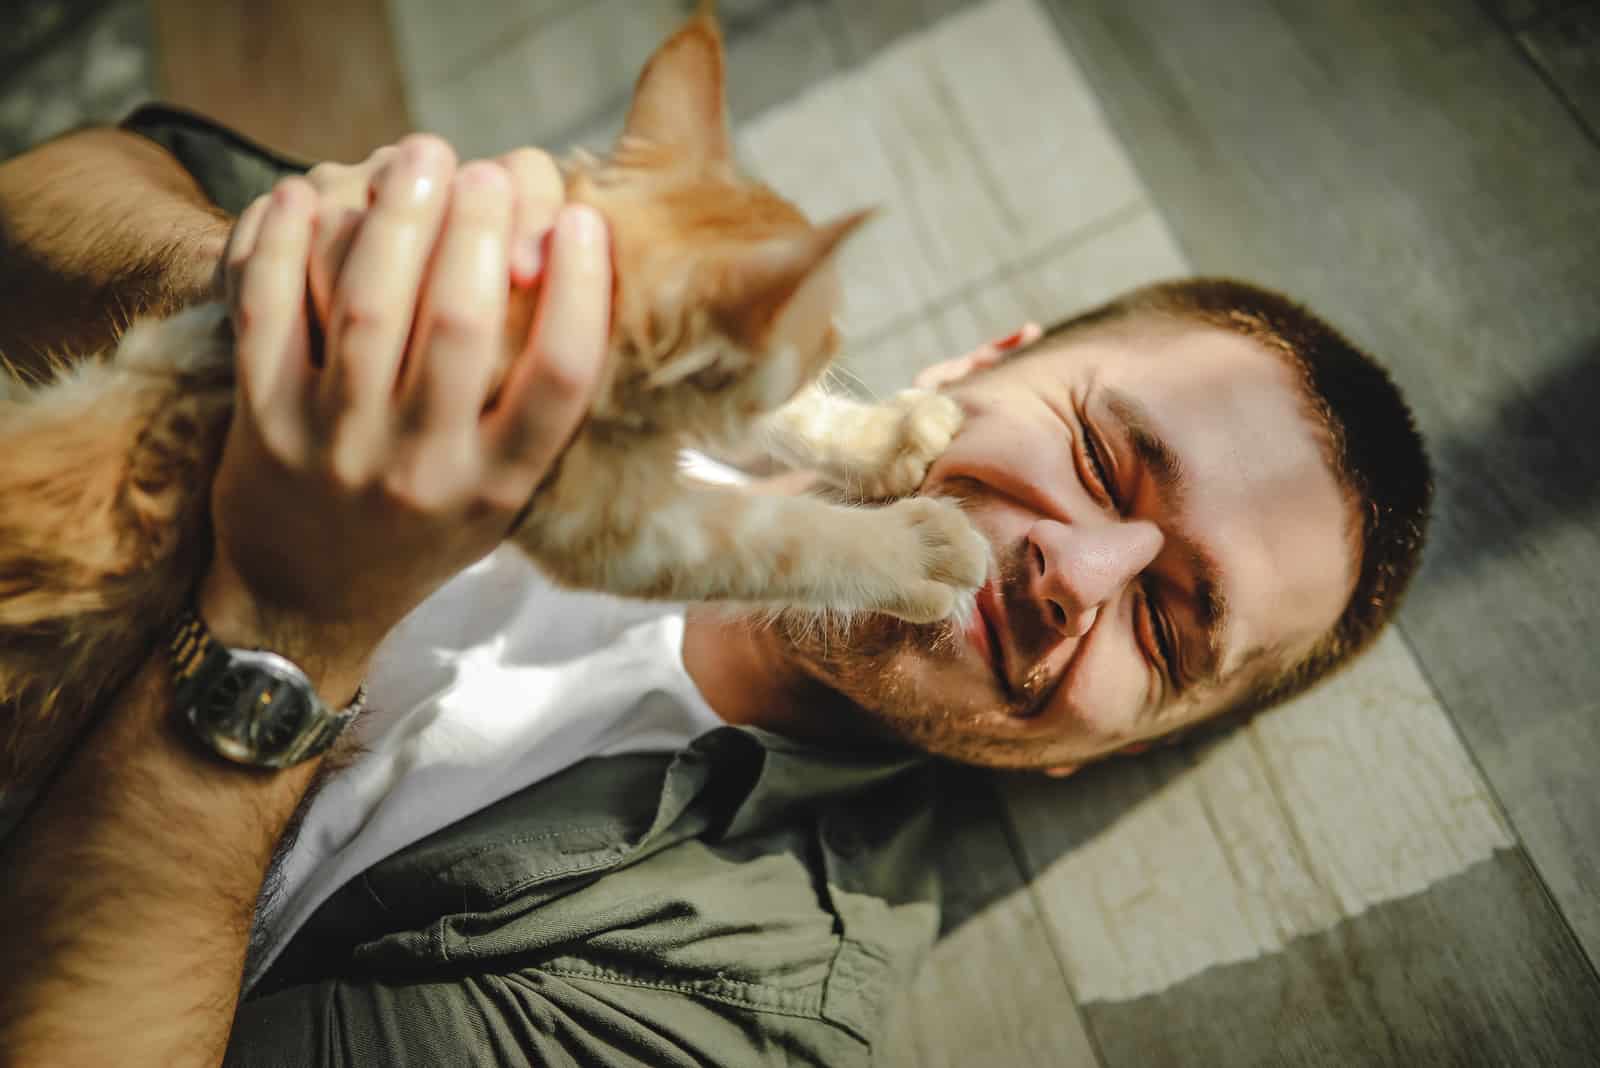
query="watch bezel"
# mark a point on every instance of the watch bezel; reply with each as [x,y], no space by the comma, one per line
[250,707]
[247,736]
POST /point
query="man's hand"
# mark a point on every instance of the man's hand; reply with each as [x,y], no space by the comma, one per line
[350,489]
[345,192]
[347,492]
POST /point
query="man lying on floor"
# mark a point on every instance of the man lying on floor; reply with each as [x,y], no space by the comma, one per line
[579,830]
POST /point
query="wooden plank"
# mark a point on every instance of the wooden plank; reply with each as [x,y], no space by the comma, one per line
[1154,870]
[1566,46]
[964,200]
[1521,13]
[1405,170]
[1334,998]
[991,992]
[437,41]
[71,64]
[37,27]
[864,30]
[306,77]
[556,76]
[775,52]
[1125,249]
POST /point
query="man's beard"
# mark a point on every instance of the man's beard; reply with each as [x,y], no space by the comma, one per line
[871,660]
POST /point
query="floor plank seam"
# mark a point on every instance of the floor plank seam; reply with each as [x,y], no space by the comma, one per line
[1492,792]
[53,41]
[1514,32]
[1019,858]
[503,42]
[734,29]
[1306,855]
[903,174]
[1078,235]
[963,135]
[837,32]
[1057,18]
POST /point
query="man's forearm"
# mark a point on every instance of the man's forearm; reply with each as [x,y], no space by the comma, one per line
[128,894]
[97,227]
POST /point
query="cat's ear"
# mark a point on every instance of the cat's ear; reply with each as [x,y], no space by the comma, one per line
[769,277]
[678,101]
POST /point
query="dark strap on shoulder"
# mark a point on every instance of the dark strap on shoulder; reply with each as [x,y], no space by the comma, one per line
[232,169]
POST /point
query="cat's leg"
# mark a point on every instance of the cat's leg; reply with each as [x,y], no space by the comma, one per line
[868,451]
[919,559]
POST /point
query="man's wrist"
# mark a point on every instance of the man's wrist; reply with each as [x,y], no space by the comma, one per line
[335,658]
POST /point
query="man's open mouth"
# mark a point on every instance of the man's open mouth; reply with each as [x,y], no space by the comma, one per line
[988,613]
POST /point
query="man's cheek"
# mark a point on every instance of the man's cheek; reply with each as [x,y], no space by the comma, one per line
[1100,705]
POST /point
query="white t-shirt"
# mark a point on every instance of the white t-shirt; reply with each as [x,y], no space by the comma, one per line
[498,680]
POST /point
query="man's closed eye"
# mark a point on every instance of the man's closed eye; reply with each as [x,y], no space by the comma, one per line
[1151,629]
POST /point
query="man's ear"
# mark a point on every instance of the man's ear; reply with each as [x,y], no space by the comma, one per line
[986,355]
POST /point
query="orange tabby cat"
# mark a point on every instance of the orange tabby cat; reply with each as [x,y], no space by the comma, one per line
[724,305]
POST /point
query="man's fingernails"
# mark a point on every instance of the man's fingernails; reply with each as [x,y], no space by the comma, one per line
[418,173]
[576,316]
[581,224]
[527,258]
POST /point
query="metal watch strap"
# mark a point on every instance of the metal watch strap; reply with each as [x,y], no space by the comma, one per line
[196,656]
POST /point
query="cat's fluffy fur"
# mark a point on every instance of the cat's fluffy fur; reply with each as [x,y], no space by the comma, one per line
[722,323]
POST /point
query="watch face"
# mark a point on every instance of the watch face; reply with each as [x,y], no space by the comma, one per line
[257,707]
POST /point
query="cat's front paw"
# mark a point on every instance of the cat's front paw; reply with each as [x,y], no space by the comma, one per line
[904,437]
[946,561]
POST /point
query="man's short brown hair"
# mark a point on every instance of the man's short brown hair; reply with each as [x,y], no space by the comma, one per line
[1369,440]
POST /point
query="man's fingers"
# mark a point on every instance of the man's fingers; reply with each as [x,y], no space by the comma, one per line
[375,163]
[241,241]
[269,310]
[335,230]
[539,192]
[547,388]
[346,192]
[459,326]
[377,288]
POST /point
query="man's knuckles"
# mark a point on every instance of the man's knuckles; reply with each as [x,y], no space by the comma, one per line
[417,179]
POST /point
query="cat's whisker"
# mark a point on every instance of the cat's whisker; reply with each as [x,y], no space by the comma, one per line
[839,372]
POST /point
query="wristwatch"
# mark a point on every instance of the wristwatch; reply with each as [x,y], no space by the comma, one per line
[251,706]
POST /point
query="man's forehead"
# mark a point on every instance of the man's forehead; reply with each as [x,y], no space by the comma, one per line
[1161,340]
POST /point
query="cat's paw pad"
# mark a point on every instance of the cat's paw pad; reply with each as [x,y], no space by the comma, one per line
[947,561]
[912,431]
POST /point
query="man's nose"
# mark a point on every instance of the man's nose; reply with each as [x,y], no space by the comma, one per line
[1075,568]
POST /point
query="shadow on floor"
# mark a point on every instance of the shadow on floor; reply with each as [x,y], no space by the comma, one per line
[1524,469]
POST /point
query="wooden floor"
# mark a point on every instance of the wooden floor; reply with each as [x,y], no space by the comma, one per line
[311,78]
[1404,867]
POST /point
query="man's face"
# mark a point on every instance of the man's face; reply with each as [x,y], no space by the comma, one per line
[1162,522]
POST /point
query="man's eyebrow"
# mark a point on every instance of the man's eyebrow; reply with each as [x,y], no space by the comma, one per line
[1166,469]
